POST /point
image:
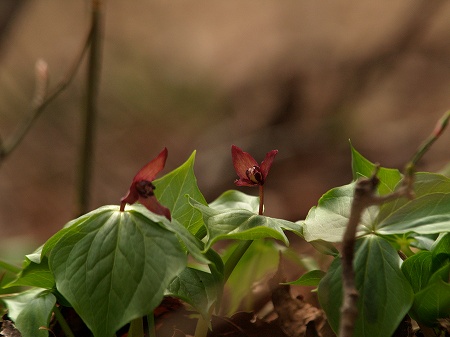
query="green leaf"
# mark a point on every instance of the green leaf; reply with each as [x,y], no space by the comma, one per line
[192,244]
[433,302]
[385,295]
[171,190]
[242,224]
[417,269]
[233,199]
[34,275]
[442,245]
[361,167]
[325,247]
[428,213]
[100,214]
[311,278]
[329,219]
[260,258]
[198,288]
[31,310]
[114,266]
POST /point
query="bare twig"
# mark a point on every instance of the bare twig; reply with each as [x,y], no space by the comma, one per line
[365,196]
[42,98]
[90,112]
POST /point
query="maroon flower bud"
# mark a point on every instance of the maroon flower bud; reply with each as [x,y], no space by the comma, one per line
[251,173]
[142,188]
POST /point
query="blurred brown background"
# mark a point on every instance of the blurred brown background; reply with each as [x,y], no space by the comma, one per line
[302,77]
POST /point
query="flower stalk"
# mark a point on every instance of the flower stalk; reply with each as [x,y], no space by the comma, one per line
[250,173]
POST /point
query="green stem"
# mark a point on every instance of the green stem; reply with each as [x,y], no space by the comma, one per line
[201,329]
[437,132]
[93,76]
[136,328]
[234,258]
[62,322]
[240,250]
[261,200]
[9,267]
[151,325]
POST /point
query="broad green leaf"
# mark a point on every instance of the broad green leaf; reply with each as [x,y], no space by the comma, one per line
[385,295]
[242,224]
[442,245]
[233,199]
[31,310]
[114,266]
[311,278]
[417,269]
[325,247]
[361,167]
[429,188]
[428,213]
[329,219]
[100,214]
[171,190]
[433,302]
[193,245]
[198,288]
[260,258]
[35,275]
[35,256]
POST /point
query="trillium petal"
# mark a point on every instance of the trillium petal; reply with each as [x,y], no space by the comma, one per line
[130,198]
[141,188]
[149,171]
[241,162]
[152,204]
[267,162]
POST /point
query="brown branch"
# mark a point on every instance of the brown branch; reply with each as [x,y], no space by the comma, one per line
[42,98]
[90,111]
[364,197]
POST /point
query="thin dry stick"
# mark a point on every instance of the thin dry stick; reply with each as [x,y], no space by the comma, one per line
[41,98]
[365,196]
[90,112]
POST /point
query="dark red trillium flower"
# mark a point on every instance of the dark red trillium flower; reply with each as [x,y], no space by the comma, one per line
[247,168]
[142,188]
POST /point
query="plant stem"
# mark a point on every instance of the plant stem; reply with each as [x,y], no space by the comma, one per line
[136,328]
[261,200]
[9,267]
[240,250]
[41,99]
[62,322]
[201,329]
[364,196]
[437,132]
[364,190]
[234,258]
[151,325]
[90,112]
